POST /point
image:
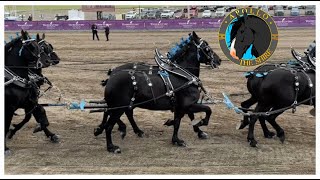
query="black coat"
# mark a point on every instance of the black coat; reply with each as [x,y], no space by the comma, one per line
[94,28]
[106,30]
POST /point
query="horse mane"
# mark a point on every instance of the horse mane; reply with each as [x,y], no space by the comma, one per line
[178,49]
[12,43]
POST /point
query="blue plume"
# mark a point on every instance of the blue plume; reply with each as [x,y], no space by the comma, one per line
[246,74]
[5,42]
[259,75]
[11,38]
[178,47]
[17,34]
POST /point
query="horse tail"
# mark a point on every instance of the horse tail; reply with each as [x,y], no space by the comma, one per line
[104,82]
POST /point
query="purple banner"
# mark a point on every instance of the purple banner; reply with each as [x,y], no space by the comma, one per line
[299,21]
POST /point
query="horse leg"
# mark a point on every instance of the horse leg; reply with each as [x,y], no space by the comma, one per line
[8,115]
[246,104]
[280,132]
[99,130]
[177,120]
[40,115]
[101,127]
[195,108]
[17,127]
[267,134]
[134,125]
[114,117]
[252,121]
[201,134]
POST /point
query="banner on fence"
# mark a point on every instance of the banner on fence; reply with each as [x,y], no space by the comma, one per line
[161,24]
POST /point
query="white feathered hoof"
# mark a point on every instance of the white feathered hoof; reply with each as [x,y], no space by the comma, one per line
[114,149]
[55,138]
[203,135]
[7,152]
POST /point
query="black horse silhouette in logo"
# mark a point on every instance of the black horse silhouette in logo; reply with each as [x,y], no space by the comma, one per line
[247,30]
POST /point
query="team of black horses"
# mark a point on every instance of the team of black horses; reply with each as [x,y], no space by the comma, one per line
[173,84]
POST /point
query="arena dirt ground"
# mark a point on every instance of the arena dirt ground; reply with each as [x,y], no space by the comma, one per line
[84,64]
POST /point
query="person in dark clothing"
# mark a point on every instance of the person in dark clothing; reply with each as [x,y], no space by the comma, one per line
[94,31]
[106,31]
[30,18]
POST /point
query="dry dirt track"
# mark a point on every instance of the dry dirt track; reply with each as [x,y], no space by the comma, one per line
[225,152]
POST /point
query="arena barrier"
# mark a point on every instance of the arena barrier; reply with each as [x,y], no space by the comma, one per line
[162,24]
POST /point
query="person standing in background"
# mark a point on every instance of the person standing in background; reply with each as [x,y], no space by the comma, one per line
[94,29]
[30,17]
[106,31]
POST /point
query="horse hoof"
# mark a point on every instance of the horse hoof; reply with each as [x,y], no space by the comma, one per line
[269,135]
[123,134]
[140,134]
[54,138]
[37,129]
[203,135]
[253,143]
[10,134]
[180,143]
[169,122]
[97,131]
[241,126]
[7,152]
[282,138]
[114,149]
[313,112]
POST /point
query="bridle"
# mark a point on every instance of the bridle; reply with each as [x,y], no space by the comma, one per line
[38,63]
[200,48]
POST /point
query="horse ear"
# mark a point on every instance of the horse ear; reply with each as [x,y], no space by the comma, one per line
[194,35]
[24,35]
[38,37]
[43,36]
[245,16]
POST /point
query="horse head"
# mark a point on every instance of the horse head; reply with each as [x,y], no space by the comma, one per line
[194,48]
[205,54]
[25,48]
[242,36]
[48,49]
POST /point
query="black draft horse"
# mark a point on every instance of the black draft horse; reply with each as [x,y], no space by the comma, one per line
[39,112]
[281,88]
[21,54]
[254,83]
[193,53]
[249,30]
[147,68]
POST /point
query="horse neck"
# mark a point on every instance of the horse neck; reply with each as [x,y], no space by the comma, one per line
[189,61]
[14,60]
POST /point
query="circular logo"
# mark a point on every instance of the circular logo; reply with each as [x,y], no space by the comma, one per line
[248,36]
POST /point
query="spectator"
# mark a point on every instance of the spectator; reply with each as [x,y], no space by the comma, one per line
[94,31]
[30,17]
[106,31]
